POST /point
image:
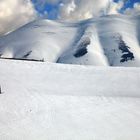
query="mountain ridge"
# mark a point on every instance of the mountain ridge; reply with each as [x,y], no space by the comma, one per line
[105,41]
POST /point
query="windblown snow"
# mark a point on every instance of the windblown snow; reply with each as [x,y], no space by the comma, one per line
[105,41]
[47,100]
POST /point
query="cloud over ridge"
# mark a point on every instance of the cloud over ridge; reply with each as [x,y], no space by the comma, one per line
[14,13]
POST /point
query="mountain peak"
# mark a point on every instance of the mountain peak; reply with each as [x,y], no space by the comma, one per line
[106,41]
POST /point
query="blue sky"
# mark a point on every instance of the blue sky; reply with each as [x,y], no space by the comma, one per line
[130,3]
[53,8]
[127,4]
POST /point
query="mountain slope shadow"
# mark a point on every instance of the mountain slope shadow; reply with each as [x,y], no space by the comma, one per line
[126,53]
[138,31]
[82,48]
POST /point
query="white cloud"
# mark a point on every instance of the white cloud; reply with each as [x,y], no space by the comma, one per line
[77,9]
[133,11]
[14,13]
[81,9]
[115,7]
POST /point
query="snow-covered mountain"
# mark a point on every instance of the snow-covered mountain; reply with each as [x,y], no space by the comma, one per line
[105,41]
[49,101]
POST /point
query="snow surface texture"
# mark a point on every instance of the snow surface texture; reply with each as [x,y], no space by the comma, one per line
[45,101]
[105,41]
[49,101]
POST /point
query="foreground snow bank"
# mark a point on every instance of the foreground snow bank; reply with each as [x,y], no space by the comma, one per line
[44,101]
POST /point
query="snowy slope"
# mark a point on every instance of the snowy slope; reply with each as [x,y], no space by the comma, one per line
[50,101]
[105,41]
[45,101]
[39,40]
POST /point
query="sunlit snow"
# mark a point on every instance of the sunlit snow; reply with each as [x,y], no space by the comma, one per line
[85,85]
